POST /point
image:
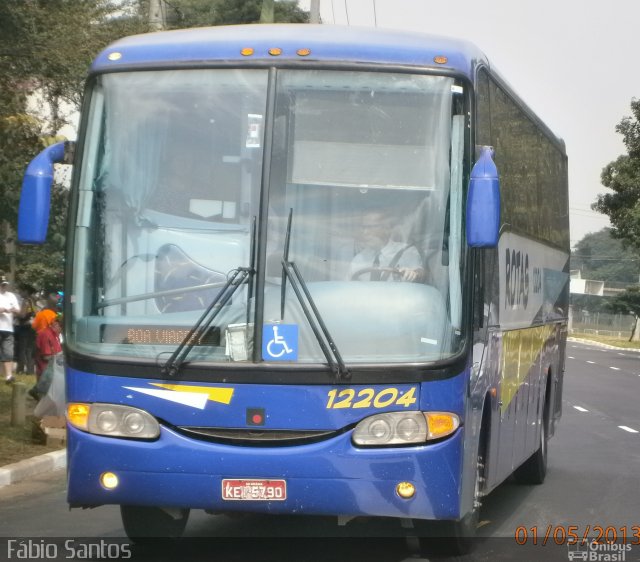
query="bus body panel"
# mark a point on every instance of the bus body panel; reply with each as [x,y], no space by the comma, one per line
[522,384]
[333,44]
[330,477]
[317,407]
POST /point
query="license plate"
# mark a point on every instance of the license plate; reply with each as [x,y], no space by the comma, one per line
[254,490]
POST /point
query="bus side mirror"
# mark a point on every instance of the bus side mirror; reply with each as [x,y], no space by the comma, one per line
[35,198]
[483,202]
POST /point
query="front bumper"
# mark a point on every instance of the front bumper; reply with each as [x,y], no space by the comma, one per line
[331,477]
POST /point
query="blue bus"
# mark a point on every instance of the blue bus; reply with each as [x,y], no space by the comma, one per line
[310,270]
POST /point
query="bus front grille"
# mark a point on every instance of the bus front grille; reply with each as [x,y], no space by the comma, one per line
[258,437]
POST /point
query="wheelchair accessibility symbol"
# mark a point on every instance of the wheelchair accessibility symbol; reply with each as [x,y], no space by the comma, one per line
[280,342]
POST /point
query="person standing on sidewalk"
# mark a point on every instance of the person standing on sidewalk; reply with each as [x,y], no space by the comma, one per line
[44,317]
[47,347]
[8,307]
[25,335]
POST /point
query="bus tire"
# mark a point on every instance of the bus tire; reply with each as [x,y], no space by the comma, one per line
[143,525]
[453,537]
[534,469]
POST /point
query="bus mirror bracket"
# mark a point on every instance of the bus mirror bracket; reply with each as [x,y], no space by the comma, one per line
[483,202]
[35,197]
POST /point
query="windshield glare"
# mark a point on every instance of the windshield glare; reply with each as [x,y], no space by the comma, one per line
[368,166]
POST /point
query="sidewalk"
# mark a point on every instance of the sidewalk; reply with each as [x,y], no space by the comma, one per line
[22,470]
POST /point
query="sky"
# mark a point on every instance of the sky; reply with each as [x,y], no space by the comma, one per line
[574,62]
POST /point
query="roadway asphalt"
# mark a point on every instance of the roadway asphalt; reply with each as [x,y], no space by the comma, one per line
[56,460]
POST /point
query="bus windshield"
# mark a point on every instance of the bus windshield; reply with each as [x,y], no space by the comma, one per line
[356,178]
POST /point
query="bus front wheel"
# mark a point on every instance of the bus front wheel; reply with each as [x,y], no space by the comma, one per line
[453,537]
[141,524]
[534,469]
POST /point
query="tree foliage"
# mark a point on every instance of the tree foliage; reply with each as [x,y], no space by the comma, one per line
[46,48]
[199,13]
[601,257]
[622,176]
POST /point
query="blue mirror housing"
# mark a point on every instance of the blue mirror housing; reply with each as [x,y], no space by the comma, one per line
[483,202]
[35,198]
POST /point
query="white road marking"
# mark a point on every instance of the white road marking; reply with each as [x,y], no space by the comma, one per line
[614,368]
[591,362]
[569,357]
[630,430]
[580,409]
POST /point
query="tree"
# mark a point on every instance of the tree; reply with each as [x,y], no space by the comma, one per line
[628,303]
[46,47]
[623,177]
[601,257]
[198,13]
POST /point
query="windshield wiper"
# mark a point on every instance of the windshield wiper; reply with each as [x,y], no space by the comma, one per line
[329,348]
[240,275]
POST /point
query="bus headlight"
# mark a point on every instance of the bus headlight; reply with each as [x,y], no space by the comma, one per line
[113,420]
[404,428]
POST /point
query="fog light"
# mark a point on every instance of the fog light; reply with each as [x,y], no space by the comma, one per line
[405,490]
[109,480]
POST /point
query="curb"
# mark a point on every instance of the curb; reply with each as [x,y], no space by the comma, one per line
[16,472]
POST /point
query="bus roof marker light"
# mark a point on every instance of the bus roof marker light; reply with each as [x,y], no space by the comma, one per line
[303,52]
[114,56]
[246,52]
[440,59]
[275,51]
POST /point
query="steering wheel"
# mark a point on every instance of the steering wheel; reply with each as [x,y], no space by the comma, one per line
[392,270]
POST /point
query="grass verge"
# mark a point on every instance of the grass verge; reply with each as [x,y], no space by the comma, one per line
[16,443]
[609,340]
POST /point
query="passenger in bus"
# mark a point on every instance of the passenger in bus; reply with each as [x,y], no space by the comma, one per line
[382,258]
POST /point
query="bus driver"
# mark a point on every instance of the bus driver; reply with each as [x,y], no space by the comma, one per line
[381,258]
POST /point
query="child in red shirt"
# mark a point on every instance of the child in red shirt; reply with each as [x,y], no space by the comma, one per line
[47,345]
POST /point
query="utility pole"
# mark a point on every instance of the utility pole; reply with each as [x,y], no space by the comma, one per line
[266,14]
[157,20]
[314,16]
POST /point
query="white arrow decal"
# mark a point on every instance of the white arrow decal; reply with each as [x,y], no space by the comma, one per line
[194,399]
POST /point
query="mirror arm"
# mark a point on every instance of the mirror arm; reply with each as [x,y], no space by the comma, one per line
[35,198]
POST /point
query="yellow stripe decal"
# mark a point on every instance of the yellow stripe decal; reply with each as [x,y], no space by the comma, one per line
[520,352]
[222,395]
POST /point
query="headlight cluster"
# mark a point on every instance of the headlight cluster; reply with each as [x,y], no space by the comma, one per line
[404,428]
[113,420]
